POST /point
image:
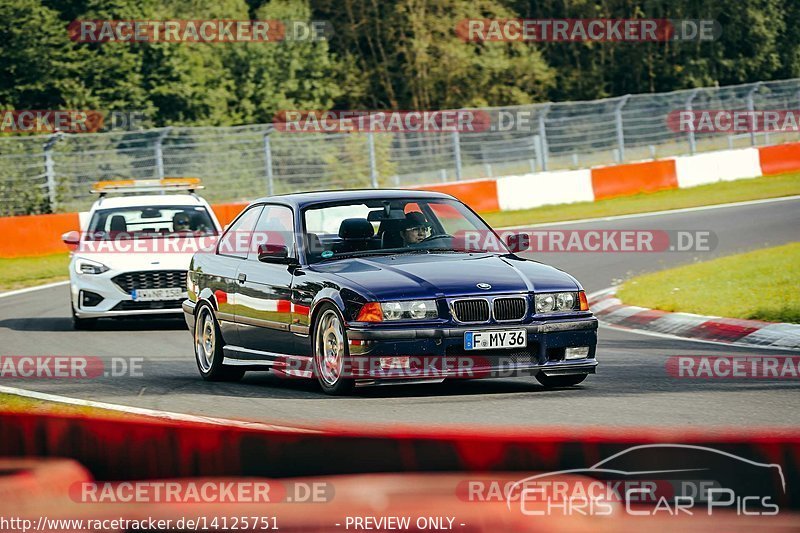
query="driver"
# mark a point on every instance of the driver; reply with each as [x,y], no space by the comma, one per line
[415,229]
[181,222]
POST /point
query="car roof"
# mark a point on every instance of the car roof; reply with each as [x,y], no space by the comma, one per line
[307,198]
[148,200]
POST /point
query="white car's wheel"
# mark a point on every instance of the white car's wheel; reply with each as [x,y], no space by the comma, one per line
[81,324]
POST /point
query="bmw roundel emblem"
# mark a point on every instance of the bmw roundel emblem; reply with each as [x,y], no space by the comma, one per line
[484,286]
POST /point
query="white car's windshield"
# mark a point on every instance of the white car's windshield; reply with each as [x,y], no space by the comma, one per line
[150,222]
[411,225]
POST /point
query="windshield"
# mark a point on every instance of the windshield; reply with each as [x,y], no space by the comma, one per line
[150,222]
[335,231]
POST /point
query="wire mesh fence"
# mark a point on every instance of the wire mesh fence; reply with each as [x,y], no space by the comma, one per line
[46,173]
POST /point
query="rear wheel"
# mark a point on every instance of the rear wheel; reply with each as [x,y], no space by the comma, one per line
[560,381]
[208,345]
[330,352]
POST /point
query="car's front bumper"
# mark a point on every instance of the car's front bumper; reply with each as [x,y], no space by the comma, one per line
[114,301]
[438,352]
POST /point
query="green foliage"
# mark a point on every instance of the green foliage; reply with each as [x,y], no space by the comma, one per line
[398,54]
[759,42]
[209,84]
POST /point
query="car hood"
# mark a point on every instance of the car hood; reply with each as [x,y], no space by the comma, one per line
[140,261]
[437,275]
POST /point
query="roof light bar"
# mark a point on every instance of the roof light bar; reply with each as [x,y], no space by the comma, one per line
[140,186]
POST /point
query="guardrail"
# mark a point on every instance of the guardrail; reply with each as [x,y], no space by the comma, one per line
[50,173]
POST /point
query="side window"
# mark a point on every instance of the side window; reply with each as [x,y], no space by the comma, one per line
[236,241]
[275,226]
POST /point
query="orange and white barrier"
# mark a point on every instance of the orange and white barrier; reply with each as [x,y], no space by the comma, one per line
[41,234]
[527,191]
[536,189]
[712,167]
[35,235]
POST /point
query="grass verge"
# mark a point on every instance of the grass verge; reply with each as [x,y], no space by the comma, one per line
[714,193]
[759,285]
[20,272]
[11,403]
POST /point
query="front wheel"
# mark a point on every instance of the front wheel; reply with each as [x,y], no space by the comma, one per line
[82,324]
[560,381]
[208,345]
[331,353]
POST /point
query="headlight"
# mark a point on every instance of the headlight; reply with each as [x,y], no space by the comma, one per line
[410,310]
[545,303]
[555,302]
[87,266]
[565,300]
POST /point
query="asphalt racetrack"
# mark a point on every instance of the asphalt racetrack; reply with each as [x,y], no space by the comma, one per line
[631,388]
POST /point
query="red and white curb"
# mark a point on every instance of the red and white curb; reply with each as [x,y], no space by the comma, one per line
[754,333]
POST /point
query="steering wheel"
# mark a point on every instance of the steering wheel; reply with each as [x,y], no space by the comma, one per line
[440,236]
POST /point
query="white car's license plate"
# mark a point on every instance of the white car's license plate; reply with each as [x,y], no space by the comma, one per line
[149,295]
[489,340]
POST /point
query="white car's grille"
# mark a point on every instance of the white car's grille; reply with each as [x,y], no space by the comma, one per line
[151,279]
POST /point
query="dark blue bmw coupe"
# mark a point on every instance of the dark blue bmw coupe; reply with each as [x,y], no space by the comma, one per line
[380,287]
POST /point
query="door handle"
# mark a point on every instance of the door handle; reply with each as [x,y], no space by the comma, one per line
[242,277]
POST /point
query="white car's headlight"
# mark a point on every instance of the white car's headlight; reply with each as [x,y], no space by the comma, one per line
[555,302]
[410,310]
[87,266]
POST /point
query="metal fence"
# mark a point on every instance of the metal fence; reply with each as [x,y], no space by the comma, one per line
[48,173]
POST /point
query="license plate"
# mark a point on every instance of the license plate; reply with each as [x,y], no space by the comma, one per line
[489,340]
[149,295]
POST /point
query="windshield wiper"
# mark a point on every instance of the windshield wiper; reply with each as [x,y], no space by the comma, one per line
[350,255]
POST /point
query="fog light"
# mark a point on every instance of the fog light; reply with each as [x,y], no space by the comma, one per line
[90,299]
[580,352]
[389,363]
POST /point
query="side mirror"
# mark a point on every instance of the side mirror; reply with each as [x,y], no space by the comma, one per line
[273,253]
[71,238]
[518,242]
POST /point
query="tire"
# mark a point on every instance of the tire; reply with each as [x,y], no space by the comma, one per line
[82,324]
[330,352]
[560,381]
[208,345]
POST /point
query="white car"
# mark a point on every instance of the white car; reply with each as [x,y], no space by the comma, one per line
[132,255]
